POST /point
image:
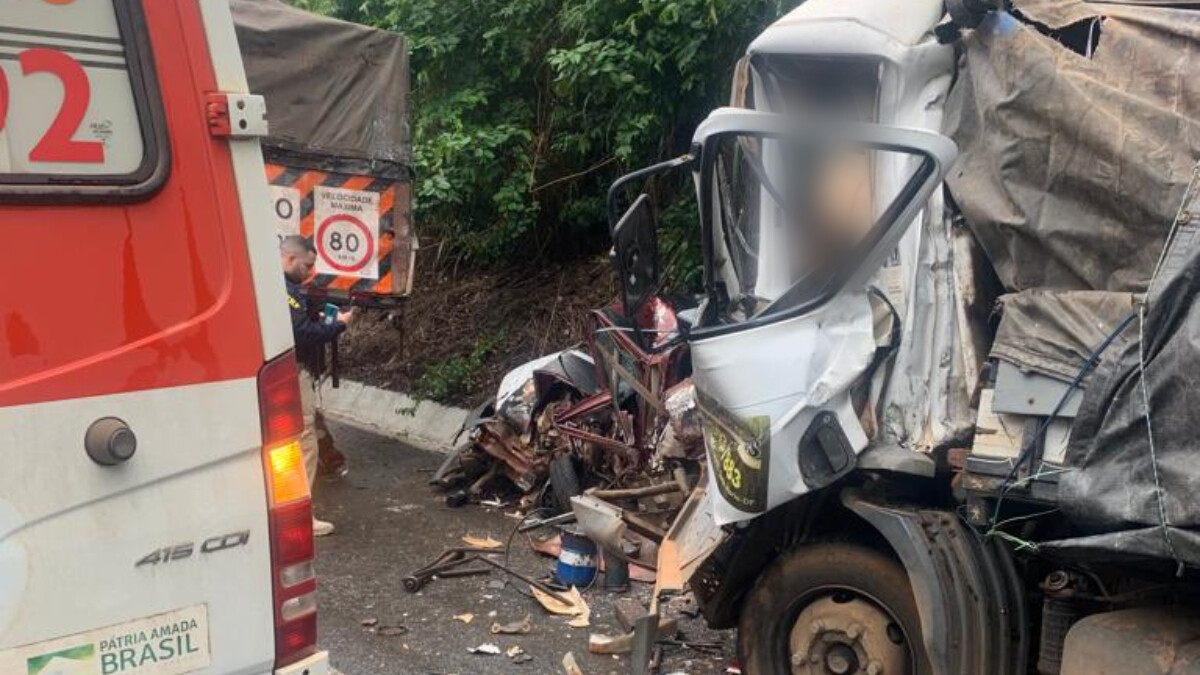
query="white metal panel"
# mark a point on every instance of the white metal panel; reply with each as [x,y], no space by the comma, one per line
[904,22]
[787,371]
[72,531]
[253,191]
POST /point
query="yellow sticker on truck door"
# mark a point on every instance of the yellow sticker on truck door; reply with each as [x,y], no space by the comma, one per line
[164,644]
[739,464]
[739,453]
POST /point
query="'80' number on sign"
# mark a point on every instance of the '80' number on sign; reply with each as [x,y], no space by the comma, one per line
[58,144]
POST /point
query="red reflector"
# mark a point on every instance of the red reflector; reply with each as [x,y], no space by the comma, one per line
[295,640]
[279,399]
[293,534]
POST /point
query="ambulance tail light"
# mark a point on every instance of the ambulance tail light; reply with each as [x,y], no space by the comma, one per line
[290,511]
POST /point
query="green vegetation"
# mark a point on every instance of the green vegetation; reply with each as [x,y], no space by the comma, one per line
[526,110]
[451,380]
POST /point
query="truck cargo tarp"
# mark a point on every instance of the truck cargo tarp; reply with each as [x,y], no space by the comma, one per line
[1055,332]
[1072,164]
[334,89]
[1079,124]
[1133,492]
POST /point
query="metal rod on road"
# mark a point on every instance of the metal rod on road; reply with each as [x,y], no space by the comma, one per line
[453,574]
[536,584]
[636,493]
[556,520]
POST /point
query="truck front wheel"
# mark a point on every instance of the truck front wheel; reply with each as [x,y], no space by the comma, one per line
[832,609]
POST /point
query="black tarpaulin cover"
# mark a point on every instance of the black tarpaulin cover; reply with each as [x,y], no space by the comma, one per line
[1055,332]
[1070,166]
[1135,498]
[333,88]
[1079,125]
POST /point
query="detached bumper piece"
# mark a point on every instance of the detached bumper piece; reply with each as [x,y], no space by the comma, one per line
[317,664]
[967,591]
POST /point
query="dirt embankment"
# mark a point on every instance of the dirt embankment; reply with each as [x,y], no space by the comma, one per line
[462,330]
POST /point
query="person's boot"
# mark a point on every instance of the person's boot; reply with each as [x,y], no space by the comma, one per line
[322,528]
[331,462]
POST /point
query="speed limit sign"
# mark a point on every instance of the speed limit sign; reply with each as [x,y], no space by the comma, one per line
[346,232]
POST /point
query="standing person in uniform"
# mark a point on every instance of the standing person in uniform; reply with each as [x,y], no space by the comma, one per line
[331,462]
[311,333]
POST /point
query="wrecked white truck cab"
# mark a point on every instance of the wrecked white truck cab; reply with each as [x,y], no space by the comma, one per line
[821,221]
[882,65]
[796,225]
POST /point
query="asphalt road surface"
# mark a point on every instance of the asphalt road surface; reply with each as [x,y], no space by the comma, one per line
[390,522]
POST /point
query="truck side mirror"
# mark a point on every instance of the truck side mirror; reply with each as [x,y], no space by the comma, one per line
[635,254]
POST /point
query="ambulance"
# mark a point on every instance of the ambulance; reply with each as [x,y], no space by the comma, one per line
[154,512]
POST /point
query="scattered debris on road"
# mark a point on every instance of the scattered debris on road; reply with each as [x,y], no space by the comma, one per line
[487,648]
[361,587]
[572,605]
[599,643]
[570,666]
[513,628]
[481,542]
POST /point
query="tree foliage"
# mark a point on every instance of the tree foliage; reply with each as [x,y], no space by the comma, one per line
[526,110]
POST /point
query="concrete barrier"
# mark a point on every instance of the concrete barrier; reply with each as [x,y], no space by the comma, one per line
[423,424]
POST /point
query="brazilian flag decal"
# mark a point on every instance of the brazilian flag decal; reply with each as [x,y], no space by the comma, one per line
[60,661]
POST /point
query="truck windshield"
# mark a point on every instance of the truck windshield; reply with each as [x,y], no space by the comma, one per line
[840,88]
[793,216]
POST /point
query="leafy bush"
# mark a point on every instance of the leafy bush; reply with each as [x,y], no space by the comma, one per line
[526,110]
[452,379]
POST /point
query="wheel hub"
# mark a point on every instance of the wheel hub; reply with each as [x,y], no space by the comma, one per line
[847,636]
[841,660]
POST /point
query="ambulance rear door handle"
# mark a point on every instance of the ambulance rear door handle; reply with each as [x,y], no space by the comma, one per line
[109,441]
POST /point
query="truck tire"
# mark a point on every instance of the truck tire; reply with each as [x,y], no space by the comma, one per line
[564,483]
[832,608]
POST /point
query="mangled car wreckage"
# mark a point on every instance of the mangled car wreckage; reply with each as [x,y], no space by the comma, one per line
[932,411]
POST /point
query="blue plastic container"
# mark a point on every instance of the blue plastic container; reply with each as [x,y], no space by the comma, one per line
[577,562]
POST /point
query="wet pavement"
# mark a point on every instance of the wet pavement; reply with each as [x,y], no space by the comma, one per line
[390,522]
